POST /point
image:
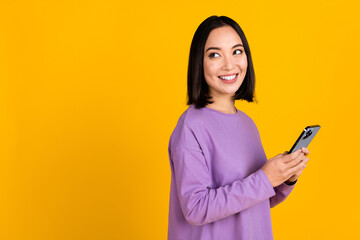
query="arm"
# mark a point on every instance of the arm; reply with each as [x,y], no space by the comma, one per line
[200,202]
[282,191]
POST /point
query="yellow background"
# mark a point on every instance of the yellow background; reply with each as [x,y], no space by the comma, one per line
[90,92]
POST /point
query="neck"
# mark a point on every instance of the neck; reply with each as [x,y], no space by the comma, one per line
[223,105]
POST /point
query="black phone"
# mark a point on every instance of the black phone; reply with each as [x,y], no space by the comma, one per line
[305,137]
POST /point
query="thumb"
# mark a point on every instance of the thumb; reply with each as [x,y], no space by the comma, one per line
[277,156]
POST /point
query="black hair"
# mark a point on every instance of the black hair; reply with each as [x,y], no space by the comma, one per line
[198,90]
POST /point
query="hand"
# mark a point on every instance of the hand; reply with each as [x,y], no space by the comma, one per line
[284,166]
[294,177]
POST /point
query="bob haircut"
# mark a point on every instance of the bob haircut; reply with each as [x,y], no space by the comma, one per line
[198,90]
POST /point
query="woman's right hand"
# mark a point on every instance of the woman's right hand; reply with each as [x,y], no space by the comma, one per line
[281,167]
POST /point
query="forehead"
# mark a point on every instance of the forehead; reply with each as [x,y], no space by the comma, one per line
[223,37]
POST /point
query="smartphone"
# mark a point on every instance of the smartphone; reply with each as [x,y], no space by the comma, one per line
[305,137]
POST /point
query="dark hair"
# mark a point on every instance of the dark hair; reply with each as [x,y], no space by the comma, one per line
[198,90]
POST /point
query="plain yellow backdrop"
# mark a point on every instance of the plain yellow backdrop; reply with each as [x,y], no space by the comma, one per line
[90,92]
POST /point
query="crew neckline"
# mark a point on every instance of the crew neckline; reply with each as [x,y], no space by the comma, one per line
[221,113]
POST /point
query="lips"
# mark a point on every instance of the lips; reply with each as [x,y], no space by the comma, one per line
[228,77]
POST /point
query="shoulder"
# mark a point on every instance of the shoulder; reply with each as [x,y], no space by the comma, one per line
[250,123]
[192,118]
[188,129]
[247,118]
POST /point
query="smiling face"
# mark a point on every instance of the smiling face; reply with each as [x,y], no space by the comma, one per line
[225,62]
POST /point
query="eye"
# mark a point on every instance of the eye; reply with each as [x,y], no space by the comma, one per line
[238,51]
[212,55]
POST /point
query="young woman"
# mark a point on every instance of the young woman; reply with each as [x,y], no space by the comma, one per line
[222,185]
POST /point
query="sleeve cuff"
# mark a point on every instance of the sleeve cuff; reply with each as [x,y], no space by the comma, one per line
[267,182]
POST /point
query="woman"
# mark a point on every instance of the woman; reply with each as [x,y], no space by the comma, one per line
[222,185]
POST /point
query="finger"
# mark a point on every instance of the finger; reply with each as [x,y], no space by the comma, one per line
[298,167]
[292,156]
[302,166]
[279,155]
[305,151]
[297,161]
[299,172]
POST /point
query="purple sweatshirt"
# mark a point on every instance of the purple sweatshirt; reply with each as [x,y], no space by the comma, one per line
[218,189]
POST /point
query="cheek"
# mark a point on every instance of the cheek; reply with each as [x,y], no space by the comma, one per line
[210,68]
[243,62]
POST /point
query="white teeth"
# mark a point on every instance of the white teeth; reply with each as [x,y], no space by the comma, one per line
[228,77]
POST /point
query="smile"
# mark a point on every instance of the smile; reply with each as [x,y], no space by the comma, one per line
[228,77]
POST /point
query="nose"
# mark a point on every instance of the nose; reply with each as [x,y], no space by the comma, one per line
[227,63]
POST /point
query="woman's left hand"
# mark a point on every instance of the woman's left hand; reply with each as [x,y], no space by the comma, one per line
[294,177]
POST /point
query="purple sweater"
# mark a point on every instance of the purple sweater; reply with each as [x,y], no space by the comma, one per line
[218,189]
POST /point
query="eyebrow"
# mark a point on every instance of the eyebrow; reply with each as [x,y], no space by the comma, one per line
[216,48]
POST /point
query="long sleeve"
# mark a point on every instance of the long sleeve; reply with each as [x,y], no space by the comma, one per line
[282,192]
[200,203]
[218,189]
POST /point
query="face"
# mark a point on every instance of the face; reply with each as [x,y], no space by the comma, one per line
[225,62]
